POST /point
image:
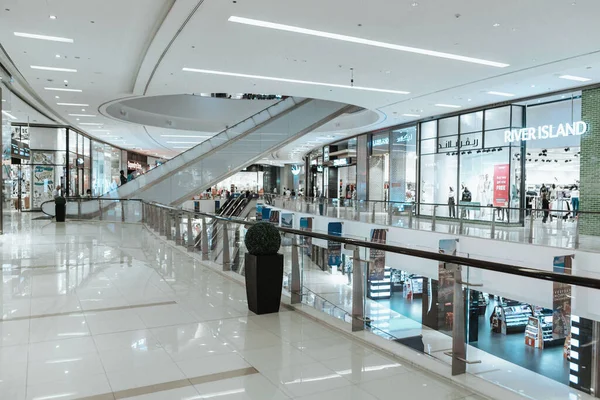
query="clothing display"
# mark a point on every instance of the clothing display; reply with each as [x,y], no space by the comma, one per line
[451,204]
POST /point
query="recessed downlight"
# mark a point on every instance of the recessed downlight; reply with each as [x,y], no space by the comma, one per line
[53,69]
[271,78]
[574,78]
[52,17]
[503,94]
[353,39]
[447,105]
[43,37]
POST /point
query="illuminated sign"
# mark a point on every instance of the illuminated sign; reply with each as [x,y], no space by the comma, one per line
[325,153]
[296,169]
[545,132]
[340,162]
[380,142]
[134,165]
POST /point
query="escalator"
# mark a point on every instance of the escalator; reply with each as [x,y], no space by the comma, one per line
[231,150]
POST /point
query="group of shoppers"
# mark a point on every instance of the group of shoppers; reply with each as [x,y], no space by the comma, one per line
[550,194]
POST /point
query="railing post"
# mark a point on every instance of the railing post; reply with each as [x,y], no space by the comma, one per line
[122,210]
[493,231]
[162,222]
[204,239]
[178,238]
[226,257]
[296,284]
[358,313]
[433,218]
[190,233]
[531,228]
[100,208]
[143,212]
[576,244]
[459,339]
[358,210]
[390,212]
[373,213]
[410,218]
[79,208]
[462,220]
[169,224]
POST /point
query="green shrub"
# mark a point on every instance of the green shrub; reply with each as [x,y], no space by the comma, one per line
[262,239]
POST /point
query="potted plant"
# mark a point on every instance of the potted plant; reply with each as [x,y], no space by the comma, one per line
[264,268]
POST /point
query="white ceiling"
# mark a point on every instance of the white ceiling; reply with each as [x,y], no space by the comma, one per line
[123,54]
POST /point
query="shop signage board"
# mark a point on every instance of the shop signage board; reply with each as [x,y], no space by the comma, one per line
[334,249]
[287,220]
[325,153]
[266,214]
[341,162]
[471,141]
[43,184]
[274,217]
[561,299]
[133,165]
[380,142]
[376,268]
[542,132]
[259,209]
[296,169]
[501,189]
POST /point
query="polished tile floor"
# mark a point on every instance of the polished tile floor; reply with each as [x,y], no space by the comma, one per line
[108,311]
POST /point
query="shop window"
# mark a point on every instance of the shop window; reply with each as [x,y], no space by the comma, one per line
[497,118]
[471,122]
[448,126]
[428,130]
[438,177]
[517,116]
[429,146]
[403,174]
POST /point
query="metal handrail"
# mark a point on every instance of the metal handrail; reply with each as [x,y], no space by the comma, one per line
[429,255]
[407,251]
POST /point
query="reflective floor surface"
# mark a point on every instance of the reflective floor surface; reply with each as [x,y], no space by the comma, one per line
[108,311]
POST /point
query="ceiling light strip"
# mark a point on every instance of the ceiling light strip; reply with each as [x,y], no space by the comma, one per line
[9,115]
[504,94]
[574,78]
[185,136]
[53,69]
[43,37]
[82,115]
[271,78]
[73,104]
[353,39]
[447,105]
[63,89]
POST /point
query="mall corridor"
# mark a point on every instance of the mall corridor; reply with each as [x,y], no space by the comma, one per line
[109,311]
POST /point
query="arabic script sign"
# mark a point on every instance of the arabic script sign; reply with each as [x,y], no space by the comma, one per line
[466,142]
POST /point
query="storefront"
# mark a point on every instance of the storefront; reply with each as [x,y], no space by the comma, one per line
[106,164]
[137,164]
[341,169]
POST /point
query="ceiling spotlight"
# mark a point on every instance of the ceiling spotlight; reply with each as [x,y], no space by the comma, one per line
[528,154]
[555,160]
[414,4]
[57,56]
[52,17]
[56,97]
[567,149]
[499,148]
[478,151]
[532,85]
[496,25]
[66,81]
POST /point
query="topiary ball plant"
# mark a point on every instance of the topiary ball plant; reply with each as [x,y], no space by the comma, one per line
[262,239]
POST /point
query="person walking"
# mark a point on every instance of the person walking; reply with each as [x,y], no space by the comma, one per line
[123,178]
[546,208]
[575,200]
[452,203]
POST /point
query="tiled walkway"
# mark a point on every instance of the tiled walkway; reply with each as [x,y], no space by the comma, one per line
[106,311]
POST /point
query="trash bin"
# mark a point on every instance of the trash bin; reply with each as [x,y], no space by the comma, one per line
[60,208]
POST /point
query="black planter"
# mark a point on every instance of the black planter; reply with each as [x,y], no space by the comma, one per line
[264,279]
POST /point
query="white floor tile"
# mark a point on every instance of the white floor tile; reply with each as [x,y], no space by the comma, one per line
[102,322]
[345,393]
[251,340]
[61,349]
[69,388]
[212,365]
[118,359]
[57,328]
[413,385]
[54,304]
[57,369]
[14,332]
[164,315]
[186,393]
[330,348]
[250,387]
[304,380]
[276,357]
[357,368]
[143,376]
[126,340]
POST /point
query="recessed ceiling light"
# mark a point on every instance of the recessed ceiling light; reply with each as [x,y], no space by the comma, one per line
[92,123]
[56,97]
[447,105]
[63,89]
[468,99]
[185,136]
[82,115]
[3,100]
[532,85]
[57,56]
[73,104]
[414,4]
[43,37]
[8,115]
[77,119]
[66,81]
[496,25]
[411,115]
[352,39]
[52,17]
[270,78]
[574,78]
[53,69]
[504,94]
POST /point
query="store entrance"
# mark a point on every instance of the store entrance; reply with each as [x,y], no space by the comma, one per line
[554,172]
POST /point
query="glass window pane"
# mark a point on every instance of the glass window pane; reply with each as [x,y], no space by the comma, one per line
[380,143]
[73,141]
[428,130]
[448,126]
[517,116]
[79,144]
[438,176]
[429,146]
[471,122]
[497,118]
[86,146]
[403,174]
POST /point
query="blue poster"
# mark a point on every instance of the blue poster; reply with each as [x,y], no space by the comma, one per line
[287,220]
[334,249]
[266,213]
[259,208]
[306,224]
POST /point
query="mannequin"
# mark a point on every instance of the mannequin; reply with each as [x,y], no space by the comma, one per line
[451,203]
